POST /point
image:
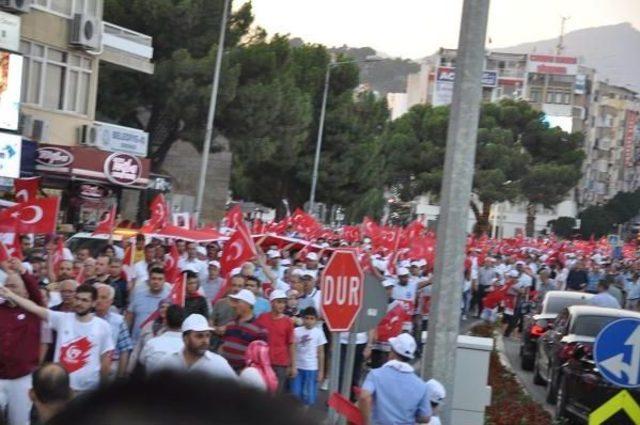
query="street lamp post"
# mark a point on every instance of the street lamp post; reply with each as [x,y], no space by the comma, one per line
[212,112]
[323,111]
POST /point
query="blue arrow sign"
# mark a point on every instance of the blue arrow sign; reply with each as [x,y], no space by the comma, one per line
[617,352]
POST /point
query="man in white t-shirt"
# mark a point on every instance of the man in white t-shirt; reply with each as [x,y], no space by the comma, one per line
[83,343]
[141,268]
[195,356]
[191,262]
[169,342]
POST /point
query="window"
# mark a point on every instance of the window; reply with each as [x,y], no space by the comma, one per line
[55,79]
[69,7]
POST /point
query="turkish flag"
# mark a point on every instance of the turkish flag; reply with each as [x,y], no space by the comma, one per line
[351,234]
[258,227]
[178,290]
[304,223]
[391,324]
[38,216]
[159,215]
[371,228]
[237,250]
[108,223]
[171,269]
[26,189]
[234,217]
[58,254]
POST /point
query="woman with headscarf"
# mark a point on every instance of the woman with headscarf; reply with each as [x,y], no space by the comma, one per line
[258,372]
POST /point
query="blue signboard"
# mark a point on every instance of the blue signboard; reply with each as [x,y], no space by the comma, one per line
[617,352]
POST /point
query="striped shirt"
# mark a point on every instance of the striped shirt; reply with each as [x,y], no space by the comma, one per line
[237,338]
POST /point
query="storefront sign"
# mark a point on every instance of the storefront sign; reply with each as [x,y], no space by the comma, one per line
[93,191]
[115,138]
[122,168]
[54,157]
[549,64]
[10,153]
[446,76]
[10,85]
[93,165]
[9,31]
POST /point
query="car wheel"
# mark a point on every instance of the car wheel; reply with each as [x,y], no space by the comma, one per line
[526,362]
[552,387]
[561,403]
[537,379]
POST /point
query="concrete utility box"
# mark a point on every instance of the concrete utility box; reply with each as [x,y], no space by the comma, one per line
[472,394]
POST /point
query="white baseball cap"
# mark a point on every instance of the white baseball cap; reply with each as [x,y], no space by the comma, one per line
[415,264]
[244,295]
[286,262]
[214,263]
[387,283]
[513,273]
[437,393]
[312,256]
[297,272]
[403,344]
[405,263]
[236,271]
[273,253]
[277,294]
[195,323]
[403,271]
[308,273]
[201,250]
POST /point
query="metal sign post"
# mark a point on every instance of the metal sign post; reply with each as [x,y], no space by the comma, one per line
[334,372]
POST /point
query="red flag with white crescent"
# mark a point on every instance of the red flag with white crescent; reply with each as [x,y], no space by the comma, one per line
[237,250]
[26,189]
[159,215]
[37,216]
[171,269]
[234,217]
[108,223]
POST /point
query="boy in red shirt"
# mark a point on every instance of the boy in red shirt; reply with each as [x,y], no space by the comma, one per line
[282,347]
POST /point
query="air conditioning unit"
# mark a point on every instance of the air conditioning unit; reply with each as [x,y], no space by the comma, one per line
[87,135]
[34,128]
[16,6]
[86,32]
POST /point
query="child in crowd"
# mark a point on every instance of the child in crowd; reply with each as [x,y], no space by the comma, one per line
[310,342]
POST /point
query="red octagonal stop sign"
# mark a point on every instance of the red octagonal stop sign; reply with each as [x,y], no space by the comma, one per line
[342,287]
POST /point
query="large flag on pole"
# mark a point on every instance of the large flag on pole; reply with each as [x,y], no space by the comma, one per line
[107,224]
[37,216]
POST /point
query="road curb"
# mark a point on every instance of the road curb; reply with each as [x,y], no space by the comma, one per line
[504,360]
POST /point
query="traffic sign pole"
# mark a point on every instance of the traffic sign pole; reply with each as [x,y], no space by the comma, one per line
[334,372]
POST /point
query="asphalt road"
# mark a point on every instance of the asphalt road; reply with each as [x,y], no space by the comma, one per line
[537,392]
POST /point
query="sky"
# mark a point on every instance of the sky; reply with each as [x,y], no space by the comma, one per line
[417,28]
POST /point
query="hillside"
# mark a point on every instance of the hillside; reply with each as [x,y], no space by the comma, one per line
[612,50]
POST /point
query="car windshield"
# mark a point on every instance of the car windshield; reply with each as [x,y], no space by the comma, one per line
[590,325]
[94,245]
[554,305]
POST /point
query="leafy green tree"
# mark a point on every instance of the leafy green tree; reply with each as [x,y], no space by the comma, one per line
[174,100]
[563,226]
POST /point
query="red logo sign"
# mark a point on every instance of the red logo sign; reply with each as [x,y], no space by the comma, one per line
[342,287]
[93,191]
[74,355]
[54,157]
[123,169]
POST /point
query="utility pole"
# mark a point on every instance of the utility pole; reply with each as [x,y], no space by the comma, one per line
[316,160]
[444,319]
[212,112]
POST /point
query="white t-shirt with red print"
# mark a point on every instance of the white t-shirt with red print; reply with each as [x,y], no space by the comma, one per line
[79,347]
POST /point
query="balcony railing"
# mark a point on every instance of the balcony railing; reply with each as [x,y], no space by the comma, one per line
[127,41]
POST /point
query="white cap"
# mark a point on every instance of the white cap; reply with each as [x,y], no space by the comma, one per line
[312,256]
[308,273]
[297,272]
[244,295]
[415,264]
[272,253]
[201,250]
[190,267]
[513,273]
[387,283]
[286,262]
[403,344]
[437,393]
[277,294]
[214,263]
[195,323]
[520,263]
[236,271]
[421,262]
[405,263]
[403,271]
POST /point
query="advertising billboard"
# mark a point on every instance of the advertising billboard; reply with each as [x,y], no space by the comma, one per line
[549,64]
[629,137]
[446,76]
[10,84]
[10,153]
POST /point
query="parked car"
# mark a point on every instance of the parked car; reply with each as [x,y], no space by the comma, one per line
[540,320]
[95,243]
[575,325]
[582,389]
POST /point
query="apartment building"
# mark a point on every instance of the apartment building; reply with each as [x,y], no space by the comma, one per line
[612,136]
[60,46]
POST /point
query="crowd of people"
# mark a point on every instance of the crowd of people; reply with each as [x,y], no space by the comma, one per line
[261,324]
